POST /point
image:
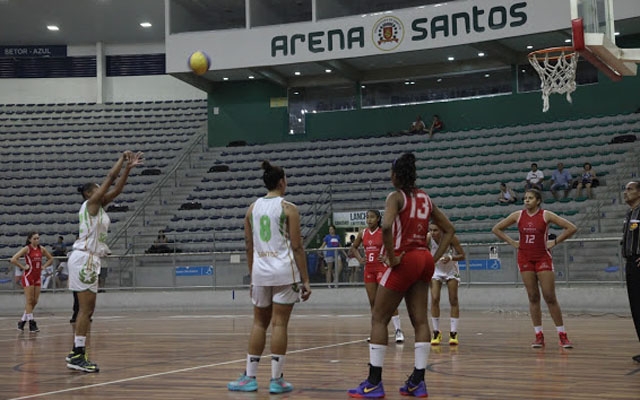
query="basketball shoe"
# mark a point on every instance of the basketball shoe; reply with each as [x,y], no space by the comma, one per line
[399,336]
[539,342]
[21,325]
[453,338]
[409,389]
[80,362]
[367,391]
[243,384]
[279,385]
[564,340]
[437,338]
[33,327]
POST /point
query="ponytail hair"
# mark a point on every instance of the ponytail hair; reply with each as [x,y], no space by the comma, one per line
[272,175]
[404,168]
[29,236]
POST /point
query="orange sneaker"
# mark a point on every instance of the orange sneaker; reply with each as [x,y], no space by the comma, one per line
[539,342]
[564,340]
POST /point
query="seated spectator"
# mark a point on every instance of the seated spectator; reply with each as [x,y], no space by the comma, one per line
[560,180]
[587,180]
[59,249]
[160,245]
[507,195]
[535,177]
[62,274]
[436,126]
[417,126]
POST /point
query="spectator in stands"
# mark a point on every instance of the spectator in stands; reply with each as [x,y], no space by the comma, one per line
[352,261]
[535,177]
[90,248]
[587,180]
[160,245]
[507,195]
[32,253]
[332,257]
[59,249]
[436,125]
[560,180]
[417,126]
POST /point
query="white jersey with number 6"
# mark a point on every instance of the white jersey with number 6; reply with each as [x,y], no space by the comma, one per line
[273,262]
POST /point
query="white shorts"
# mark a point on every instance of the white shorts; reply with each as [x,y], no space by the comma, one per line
[264,296]
[84,269]
[446,274]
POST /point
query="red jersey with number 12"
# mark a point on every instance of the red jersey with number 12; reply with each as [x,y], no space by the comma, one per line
[412,222]
[534,231]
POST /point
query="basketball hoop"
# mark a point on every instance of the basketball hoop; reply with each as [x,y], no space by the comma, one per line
[557,69]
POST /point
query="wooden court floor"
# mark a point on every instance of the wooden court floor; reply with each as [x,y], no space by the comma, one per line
[192,356]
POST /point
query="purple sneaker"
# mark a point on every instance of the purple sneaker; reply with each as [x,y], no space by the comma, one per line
[419,390]
[367,391]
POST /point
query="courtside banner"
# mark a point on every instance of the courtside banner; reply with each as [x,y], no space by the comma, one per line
[410,29]
[351,219]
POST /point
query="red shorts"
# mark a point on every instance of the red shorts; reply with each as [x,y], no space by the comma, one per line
[373,272]
[544,263]
[31,277]
[416,265]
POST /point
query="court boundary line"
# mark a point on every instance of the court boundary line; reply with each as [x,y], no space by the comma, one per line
[176,371]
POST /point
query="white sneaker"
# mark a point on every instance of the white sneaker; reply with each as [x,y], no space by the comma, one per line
[399,336]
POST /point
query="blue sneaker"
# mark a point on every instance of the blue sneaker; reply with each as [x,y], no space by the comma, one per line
[243,384]
[367,391]
[419,390]
[279,386]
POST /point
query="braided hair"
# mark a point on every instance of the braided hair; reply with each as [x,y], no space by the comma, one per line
[272,175]
[404,168]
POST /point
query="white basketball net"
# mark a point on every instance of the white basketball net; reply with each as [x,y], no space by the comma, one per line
[557,73]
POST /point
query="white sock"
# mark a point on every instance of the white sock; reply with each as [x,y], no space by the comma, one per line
[560,329]
[79,341]
[376,354]
[277,364]
[421,350]
[29,317]
[436,323]
[24,316]
[454,324]
[396,322]
[538,329]
[252,365]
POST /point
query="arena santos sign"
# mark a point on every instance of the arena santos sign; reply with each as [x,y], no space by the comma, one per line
[388,32]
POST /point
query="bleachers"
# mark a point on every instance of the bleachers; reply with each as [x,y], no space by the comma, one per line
[48,150]
[460,170]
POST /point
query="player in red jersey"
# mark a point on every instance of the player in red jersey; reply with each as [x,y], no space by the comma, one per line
[408,211]
[31,280]
[534,259]
[374,268]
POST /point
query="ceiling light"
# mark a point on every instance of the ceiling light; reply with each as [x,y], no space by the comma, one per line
[486,75]
[53,28]
[251,77]
[363,86]
[439,80]
[328,71]
[617,34]
[225,78]
[481,54]
[407,83]
[296,92]
[297,73]
[529,47]
[145,24]
[450,58]
[567,40]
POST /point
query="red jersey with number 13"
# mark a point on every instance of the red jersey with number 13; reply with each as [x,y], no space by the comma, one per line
[534,231]
[412,222]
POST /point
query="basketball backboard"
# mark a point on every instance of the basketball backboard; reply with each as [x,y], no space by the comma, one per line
[594,37]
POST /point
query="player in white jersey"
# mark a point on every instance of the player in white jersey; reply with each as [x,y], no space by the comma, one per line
[279,277]
[91,245]
[446,272]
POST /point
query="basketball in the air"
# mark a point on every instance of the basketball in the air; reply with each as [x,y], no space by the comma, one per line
[199,62]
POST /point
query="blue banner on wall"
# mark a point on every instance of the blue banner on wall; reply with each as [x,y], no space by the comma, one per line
[480,265]
[33,51]
[205,270]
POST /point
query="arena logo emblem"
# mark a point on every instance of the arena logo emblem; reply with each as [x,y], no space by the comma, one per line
[388,33]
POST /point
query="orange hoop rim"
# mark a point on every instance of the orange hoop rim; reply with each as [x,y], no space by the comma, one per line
[565,52]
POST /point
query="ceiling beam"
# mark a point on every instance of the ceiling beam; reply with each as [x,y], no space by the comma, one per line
[344,68]
[498,51]
[272,75]
[200,82]
[431,70]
